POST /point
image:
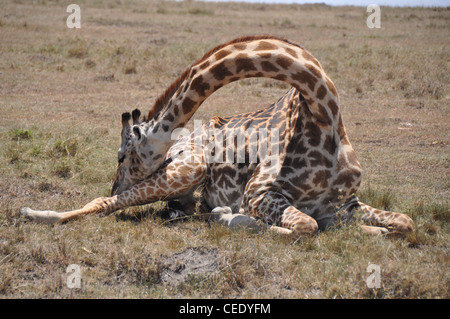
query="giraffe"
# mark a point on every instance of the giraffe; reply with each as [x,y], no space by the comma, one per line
[296,187]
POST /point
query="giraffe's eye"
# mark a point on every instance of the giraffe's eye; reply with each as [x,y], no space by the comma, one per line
[121,159]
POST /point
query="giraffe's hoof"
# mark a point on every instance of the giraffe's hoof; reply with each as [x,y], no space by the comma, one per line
[219,214]
[47,216]
[25,211]
[224,216]
[374,230]
[222,210]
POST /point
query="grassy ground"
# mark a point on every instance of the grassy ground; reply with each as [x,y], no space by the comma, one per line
[63,90]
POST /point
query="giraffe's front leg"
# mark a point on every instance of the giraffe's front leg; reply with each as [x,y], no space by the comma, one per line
[41,216]
[173,181]
[101,205]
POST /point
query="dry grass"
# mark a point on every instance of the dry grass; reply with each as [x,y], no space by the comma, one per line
[62,93]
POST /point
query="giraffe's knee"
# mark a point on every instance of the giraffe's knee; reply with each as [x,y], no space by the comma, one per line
[305,226]
[404,223]
[99,202]
[395,221]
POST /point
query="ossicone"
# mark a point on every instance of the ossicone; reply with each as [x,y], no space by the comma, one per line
[125,119]
[136,114]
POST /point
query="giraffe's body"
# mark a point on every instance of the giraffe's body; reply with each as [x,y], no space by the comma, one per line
[315,184]
[297,183]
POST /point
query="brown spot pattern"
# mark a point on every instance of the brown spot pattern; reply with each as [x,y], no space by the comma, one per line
[321,92]
[244,63]
[291,52]
[331,86]
[264,45]
[333,107]
[284,61]
[305,78]
[240,46]
[199,86]
[268,67]
[220,71]
[313,133]
[222,54]
[188,105]
[314,71]
[308,56]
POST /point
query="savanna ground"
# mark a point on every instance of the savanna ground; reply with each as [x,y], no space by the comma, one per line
[63,91]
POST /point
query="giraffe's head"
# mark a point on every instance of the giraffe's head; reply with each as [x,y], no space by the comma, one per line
[141,152]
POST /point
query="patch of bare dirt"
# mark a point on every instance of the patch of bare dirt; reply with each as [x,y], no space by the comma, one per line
[192,261]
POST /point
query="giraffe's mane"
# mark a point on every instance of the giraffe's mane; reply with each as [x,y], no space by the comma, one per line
[170,91]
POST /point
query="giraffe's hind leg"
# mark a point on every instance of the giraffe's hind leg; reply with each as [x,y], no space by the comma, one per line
[286,219]
[294,223]
[390,221]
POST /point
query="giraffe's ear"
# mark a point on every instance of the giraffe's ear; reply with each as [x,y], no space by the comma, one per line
[137,132]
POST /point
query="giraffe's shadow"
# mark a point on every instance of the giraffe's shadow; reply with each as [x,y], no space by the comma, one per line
[169,213]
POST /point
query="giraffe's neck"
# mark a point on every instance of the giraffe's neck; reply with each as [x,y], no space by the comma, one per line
[244,58]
